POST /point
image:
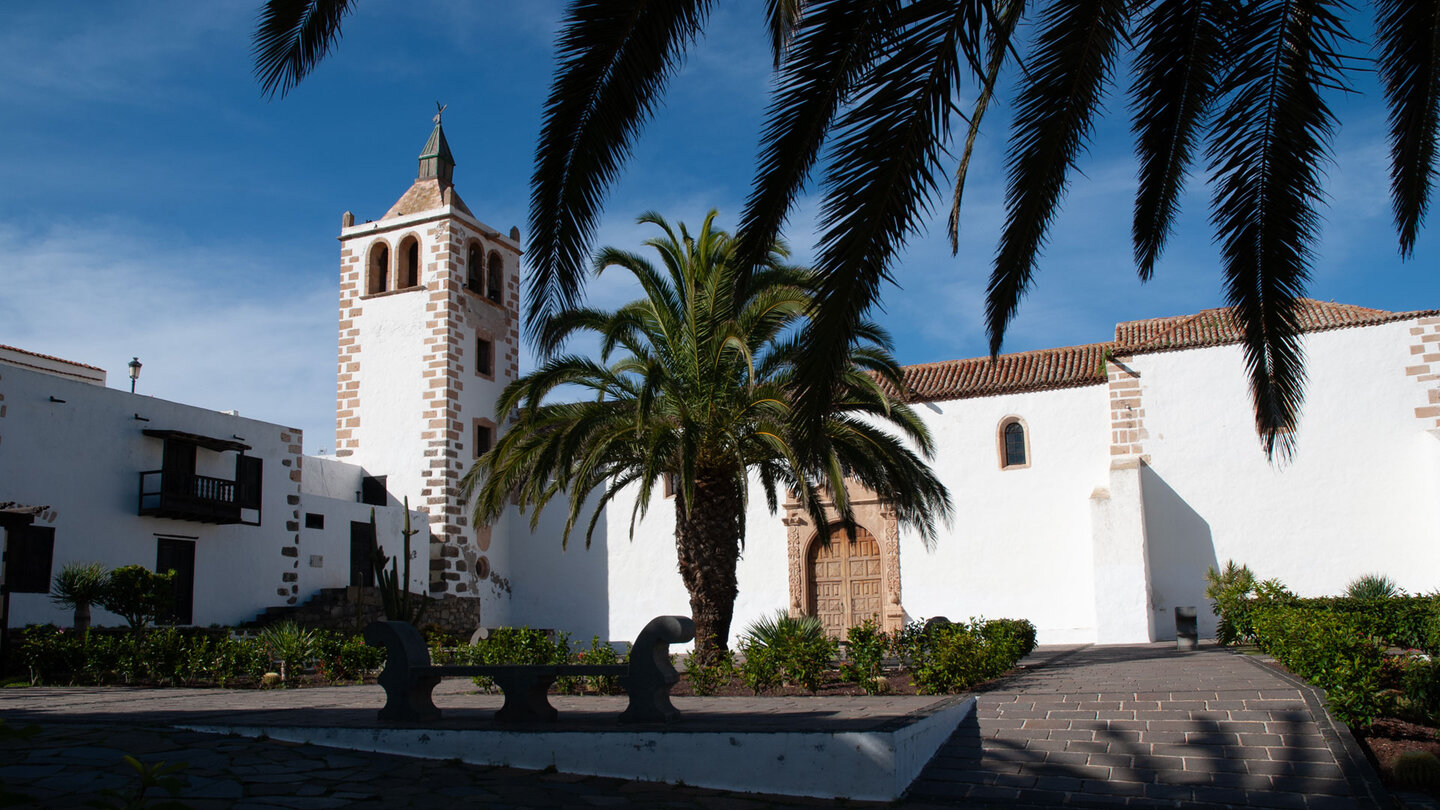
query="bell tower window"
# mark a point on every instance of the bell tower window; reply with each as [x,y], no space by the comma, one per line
[495,281]
[474,268]
[410,258]
[377,273]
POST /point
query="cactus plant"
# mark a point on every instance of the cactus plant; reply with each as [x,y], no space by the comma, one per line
[398,602]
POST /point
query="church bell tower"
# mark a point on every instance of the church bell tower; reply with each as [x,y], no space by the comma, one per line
[428,337]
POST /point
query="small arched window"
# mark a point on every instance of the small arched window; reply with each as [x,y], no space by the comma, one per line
[1014,444]
[474,267]
[410,258]
[495,280]
[377,271]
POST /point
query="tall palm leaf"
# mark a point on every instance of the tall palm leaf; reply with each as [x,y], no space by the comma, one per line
[695,385]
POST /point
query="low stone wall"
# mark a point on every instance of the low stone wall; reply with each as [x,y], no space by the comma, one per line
[337,609]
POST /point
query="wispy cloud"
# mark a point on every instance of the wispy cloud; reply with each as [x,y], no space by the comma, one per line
[232,337]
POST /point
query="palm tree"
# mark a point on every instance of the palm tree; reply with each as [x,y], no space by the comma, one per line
[871,84]
[694,385]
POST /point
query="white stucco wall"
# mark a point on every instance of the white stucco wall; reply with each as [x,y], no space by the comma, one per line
[1359,496]
[82,458]
[392,333]
[1020,546]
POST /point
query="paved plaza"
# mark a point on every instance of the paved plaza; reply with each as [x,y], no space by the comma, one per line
[1133,726]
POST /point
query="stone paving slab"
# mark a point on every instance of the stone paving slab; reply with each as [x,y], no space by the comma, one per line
[1148,726]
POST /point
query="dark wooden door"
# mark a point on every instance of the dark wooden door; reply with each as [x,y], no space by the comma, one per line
[177,464]
[179,556]
[362,551]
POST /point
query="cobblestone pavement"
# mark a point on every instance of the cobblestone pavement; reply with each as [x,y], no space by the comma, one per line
[1147,726]
[1138,726]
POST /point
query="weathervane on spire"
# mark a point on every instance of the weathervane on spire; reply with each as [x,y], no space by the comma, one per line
[439,111]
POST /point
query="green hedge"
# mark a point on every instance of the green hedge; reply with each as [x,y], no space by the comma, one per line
[178,656]
[1339,645]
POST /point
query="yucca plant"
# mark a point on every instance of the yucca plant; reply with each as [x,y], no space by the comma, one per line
[78,586]
[293,646]
[773,631]
[1372,586]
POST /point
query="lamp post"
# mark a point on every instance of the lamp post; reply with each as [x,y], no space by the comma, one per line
[134,372]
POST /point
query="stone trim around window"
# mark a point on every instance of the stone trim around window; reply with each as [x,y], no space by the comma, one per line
[1001,455]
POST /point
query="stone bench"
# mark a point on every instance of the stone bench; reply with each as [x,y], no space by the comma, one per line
[409,678]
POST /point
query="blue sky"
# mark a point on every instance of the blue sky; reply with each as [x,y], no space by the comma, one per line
[152,204]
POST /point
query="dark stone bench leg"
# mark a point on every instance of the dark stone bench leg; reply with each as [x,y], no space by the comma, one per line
[651,674]
[407,691]
[525,697]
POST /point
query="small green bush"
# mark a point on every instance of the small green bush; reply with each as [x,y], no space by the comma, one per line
[1372,586]
[707,678]
[952,657]
[508,645]
[786,649]
[77,587]
[601,653]
[139,595]
[346,660]
[865,653]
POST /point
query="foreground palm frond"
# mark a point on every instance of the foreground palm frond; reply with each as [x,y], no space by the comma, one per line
[865,89]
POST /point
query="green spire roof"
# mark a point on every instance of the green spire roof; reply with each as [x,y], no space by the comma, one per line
[435,159]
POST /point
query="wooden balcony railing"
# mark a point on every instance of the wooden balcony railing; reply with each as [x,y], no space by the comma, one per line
[200,498]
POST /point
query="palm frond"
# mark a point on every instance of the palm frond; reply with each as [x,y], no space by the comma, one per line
[614,60]
[291,38]
[782,17]
[883,170]
[1266,151]
[1002,28]
[1408,35]
[1176,75]
[832,53]
[1068,72]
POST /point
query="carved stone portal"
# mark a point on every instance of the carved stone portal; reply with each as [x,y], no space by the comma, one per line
[875,518]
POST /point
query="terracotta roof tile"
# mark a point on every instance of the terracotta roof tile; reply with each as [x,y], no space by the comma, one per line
[1216,327]
[1074,366]
[49,357]
[1043,370]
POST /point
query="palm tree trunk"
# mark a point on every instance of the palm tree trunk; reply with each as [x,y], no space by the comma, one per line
[707,541]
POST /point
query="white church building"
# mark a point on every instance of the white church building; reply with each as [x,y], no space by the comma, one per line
[1093,485]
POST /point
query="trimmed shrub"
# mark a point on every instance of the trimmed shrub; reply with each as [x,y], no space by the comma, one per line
[167,656]
[1331,650]
[507,645]
[952,657]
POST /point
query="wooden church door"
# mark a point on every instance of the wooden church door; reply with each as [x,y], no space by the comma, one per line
[844,583]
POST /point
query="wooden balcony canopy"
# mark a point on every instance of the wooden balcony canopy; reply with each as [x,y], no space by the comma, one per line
[207,442]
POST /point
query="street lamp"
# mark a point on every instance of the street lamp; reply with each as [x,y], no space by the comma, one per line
[134,372]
